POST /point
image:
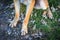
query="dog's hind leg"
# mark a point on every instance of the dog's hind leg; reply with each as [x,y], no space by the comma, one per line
[50,15]
[47,10]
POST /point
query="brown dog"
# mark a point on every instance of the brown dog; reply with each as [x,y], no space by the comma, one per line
[37,4]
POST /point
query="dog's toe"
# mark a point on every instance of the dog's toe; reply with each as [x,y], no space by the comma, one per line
[13,23]
[50,16]
[24,31]
[44,16]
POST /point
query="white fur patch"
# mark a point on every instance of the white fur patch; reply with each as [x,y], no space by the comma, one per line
[17,5]
[42,4]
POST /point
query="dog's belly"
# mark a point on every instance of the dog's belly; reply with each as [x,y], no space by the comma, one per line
[39,4]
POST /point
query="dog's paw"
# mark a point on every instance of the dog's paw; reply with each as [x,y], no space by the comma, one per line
[13,23]
[50,16]
[24,30]
[44,16]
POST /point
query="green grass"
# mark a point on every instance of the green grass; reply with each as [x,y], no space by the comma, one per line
[52,28]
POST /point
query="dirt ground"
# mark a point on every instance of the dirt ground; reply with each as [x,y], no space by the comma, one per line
[49,29]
